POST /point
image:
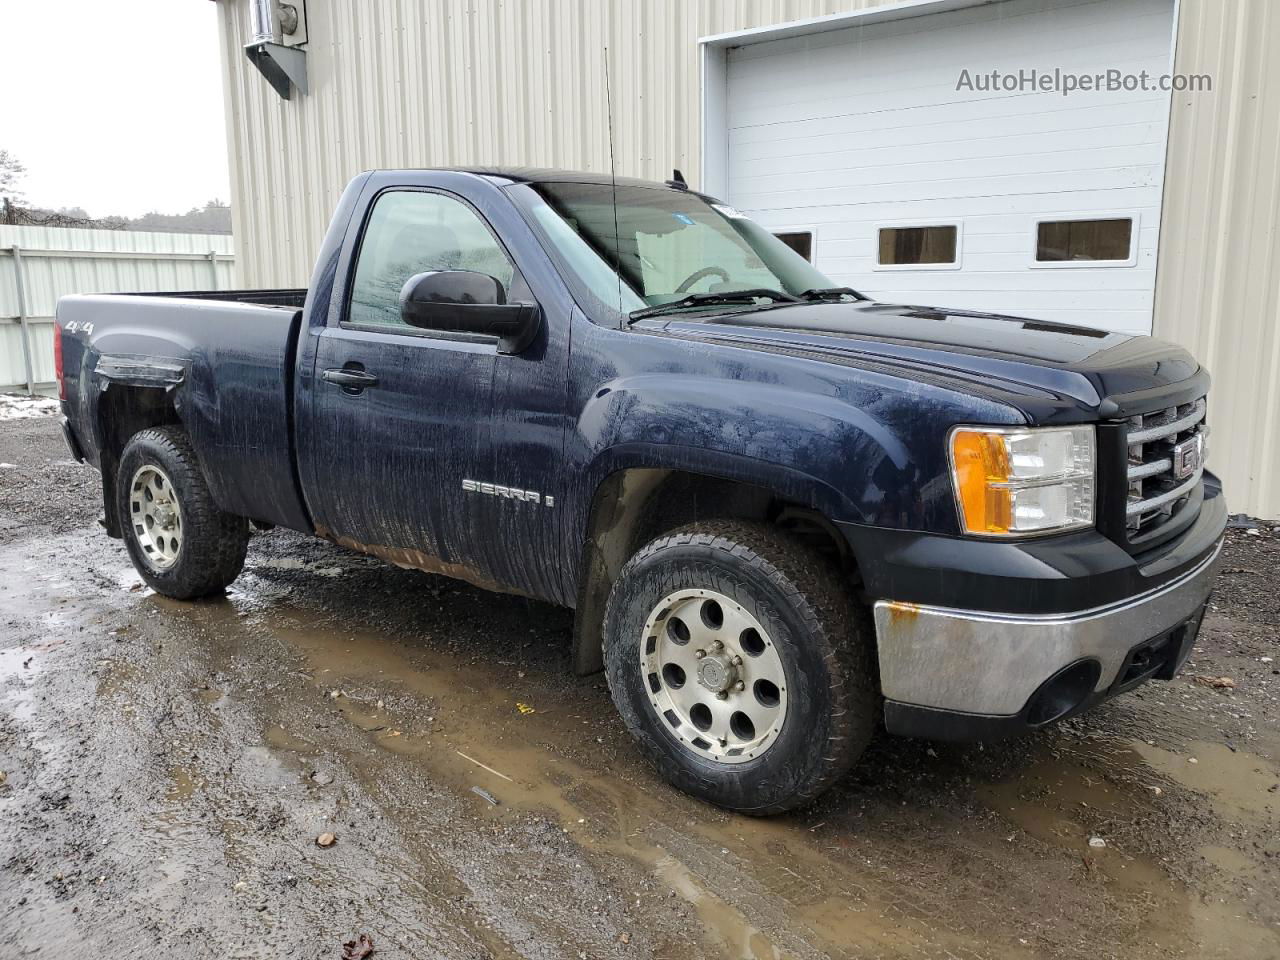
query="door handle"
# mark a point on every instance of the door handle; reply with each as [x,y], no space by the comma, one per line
[349,379]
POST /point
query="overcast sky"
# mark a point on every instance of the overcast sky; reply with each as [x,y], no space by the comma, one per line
[114,105]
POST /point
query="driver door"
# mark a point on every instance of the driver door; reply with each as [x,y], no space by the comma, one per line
[404,414]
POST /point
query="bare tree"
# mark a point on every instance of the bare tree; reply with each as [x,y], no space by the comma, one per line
[213,217]
[11,174]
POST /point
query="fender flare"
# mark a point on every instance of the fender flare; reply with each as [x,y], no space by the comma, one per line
[598,561]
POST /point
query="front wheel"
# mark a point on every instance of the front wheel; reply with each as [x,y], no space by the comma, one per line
[742,665]
[181,544]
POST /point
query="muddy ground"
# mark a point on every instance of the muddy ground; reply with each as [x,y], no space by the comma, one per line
[168,767]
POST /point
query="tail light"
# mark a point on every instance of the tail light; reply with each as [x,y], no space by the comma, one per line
[57,361]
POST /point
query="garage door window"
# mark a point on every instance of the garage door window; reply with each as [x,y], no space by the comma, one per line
[918,247]
[1086,242]
[801,241]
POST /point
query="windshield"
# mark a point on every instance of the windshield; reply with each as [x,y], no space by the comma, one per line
[668,246]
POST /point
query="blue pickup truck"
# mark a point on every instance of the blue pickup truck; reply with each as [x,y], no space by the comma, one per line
[783,513]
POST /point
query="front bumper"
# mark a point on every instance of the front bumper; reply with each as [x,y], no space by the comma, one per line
[982,639]
[960,674]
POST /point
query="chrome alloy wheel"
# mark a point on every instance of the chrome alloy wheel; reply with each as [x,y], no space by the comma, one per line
[714,676]
[156,516]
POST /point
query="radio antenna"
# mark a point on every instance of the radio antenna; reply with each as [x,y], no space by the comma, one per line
[613,180]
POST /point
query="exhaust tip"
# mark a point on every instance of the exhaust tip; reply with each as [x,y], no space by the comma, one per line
[1063,693]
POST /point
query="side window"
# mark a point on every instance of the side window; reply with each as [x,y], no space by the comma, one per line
[411,231]
[914,246]
[1063,241]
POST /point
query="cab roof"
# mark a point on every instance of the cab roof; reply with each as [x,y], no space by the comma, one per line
[552,175]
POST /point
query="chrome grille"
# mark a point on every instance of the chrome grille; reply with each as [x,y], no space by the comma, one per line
[1159,486]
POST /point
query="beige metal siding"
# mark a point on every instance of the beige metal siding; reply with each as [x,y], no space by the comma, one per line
[421,83]
[1218,281]
[436,82]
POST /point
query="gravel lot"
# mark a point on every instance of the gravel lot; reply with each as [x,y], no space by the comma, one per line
[167,768]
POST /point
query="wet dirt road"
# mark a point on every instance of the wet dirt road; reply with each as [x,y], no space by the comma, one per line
[167,768]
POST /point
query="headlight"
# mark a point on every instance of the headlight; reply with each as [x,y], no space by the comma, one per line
[1023,480]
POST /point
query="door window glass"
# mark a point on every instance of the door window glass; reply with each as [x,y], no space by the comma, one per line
[411,232]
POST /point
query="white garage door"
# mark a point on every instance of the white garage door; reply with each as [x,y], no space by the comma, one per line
[1024,202]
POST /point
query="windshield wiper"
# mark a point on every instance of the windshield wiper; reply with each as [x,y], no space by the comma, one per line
[830,293]
[711,299]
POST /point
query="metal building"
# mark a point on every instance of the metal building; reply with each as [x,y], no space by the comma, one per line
[859,130]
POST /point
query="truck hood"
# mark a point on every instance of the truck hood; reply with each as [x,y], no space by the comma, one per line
[1112,374]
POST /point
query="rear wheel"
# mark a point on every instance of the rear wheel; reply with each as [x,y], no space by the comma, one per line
[181,544]
[739,661]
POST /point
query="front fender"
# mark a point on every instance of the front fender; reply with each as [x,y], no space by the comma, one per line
[816,450]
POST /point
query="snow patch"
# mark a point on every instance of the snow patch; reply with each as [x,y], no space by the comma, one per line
[15,406]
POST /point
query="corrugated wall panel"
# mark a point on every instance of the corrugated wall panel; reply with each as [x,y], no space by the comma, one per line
[408,83]
[438,82]
[46,278]
[1218,282]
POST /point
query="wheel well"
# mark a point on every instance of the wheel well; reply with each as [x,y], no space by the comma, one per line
[632,507]
[122,412]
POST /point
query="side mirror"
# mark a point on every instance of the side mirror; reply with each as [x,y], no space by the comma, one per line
[464,301]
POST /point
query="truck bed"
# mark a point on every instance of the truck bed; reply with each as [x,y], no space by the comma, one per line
[283,297]
[223,359]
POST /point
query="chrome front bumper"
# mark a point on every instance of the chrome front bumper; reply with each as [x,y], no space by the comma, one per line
[991,663]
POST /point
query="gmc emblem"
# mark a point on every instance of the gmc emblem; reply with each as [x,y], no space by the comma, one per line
[1186,457]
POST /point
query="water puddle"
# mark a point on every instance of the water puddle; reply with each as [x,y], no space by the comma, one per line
[18,663]
[182,784]
[1236,778]
[1066,800]
[1063,799]
[735,935]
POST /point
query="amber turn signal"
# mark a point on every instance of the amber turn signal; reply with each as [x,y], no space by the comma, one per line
[1017,481]
[981,461]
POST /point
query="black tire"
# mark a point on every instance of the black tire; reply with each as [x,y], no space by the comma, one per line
[213,544]
[823,637]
